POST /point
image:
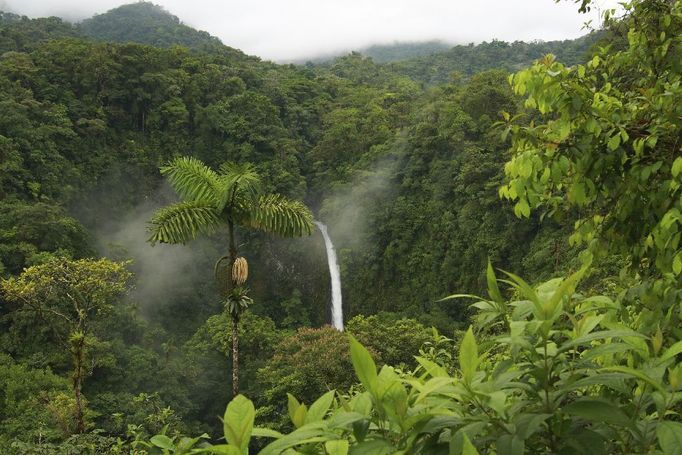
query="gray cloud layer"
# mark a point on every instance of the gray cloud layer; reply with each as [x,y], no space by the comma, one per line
[295,29]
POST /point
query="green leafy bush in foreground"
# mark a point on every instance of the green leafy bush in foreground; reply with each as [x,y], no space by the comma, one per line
[562,373]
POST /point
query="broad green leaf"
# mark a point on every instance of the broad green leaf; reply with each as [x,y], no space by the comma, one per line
[606,350]
[360,429]
[345,419]
[468,448]
[597,301]
[468,356]
[614,381]
[522,309]
[364,365]
[470,430]
[432,368]
[587,324]
[576,192]
[565,289]
[391,392]
[265,433]
[677,264]
[671,352]
[528,424]
[508,444]
[434,385]
[601,335]
[586,441]
[362,403]
[292,405]
[440,422]
[493,289]
[637,374]
[320,407]
[485,305]
[497,401]
[315,432]
[522,209]
[548,288]
[677,166]
[186,443]
[299,418]
[670,437]
[598,411]
[162,441]
[614,142]
[338,447]
[238,421]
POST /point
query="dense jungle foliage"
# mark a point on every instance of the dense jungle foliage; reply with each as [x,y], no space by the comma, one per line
[436,175]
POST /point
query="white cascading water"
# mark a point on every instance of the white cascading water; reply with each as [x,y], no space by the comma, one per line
[337,309]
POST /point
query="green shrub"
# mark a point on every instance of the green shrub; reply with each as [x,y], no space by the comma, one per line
[565,373]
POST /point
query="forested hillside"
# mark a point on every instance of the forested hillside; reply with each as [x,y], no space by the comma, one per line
[438,68]
[402,51]
[147,23]
[19,33]
[435,62]
[139,156]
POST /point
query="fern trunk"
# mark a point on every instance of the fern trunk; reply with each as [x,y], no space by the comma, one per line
[235,320]
[235,356]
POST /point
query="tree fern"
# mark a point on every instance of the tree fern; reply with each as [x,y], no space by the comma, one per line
[231,197]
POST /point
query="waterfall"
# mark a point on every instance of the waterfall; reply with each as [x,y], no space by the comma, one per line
[337,309]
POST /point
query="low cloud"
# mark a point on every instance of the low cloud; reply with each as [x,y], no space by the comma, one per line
[285,30]
[348,211]
[164,273]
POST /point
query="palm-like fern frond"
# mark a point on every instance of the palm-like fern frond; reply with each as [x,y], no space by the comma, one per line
[238,182]
[193,180]
[231,196]
[280,216]
[183,221]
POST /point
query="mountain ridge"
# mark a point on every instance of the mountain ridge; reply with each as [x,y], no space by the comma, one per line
[147,23]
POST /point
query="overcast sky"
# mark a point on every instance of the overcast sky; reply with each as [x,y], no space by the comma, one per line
[296,29]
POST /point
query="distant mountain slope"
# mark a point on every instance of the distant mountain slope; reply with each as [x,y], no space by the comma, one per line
[21,34]
[382,53]
[467,60]
[147,23]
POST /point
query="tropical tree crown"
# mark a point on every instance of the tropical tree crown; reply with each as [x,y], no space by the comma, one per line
[233,195]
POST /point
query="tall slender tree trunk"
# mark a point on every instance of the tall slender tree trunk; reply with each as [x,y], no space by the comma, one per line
[78,358]
[235,320]
[235,356]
